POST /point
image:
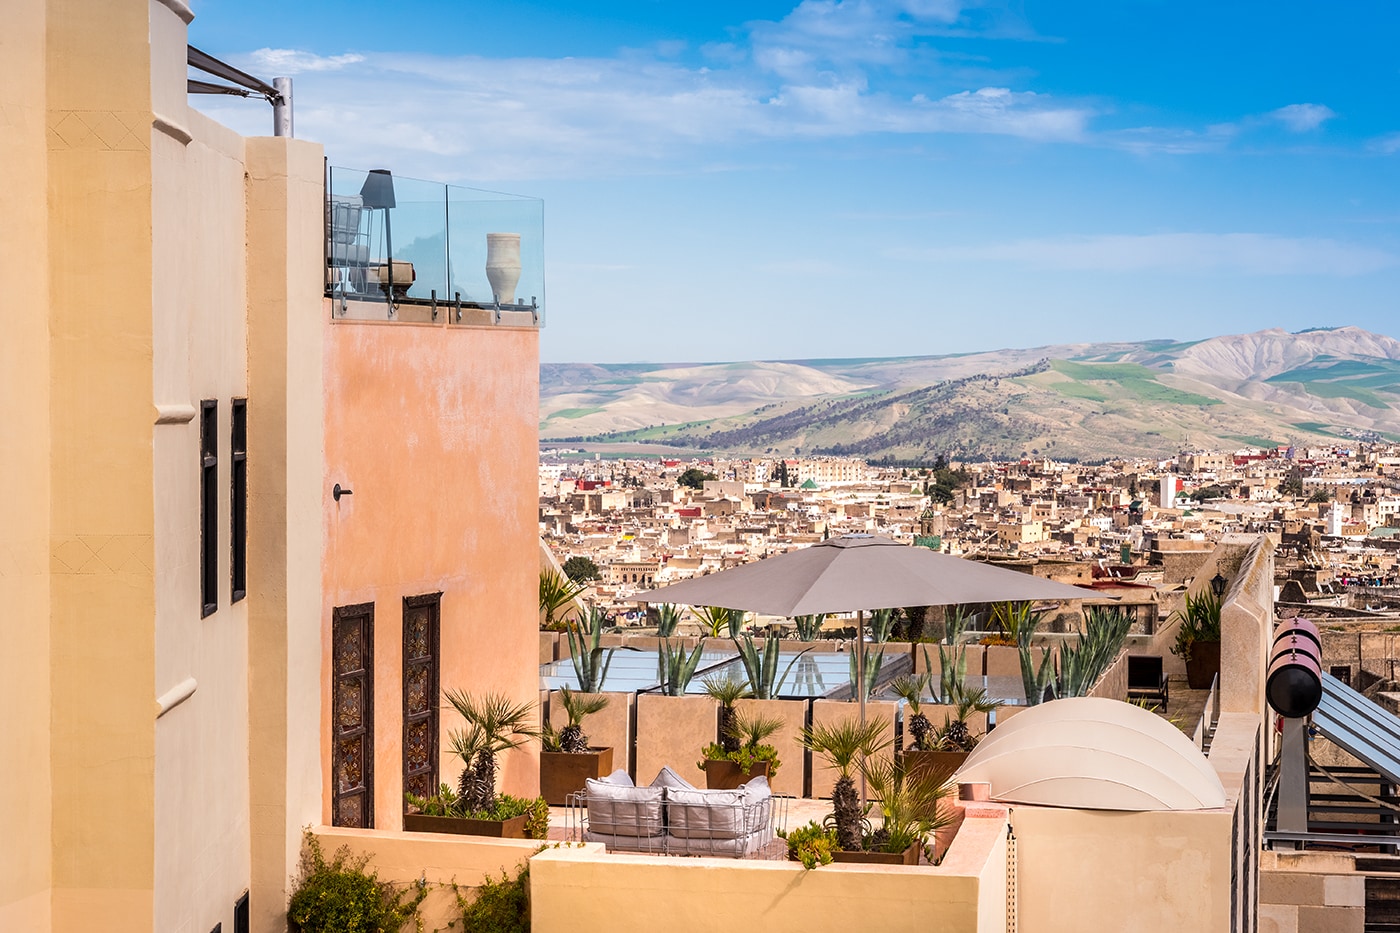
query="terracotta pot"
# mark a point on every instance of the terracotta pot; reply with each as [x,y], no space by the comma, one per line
[727,775]
[909,856]
[1204,664]
[513,828]
[564,773]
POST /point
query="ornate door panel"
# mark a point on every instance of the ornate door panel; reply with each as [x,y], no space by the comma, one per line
[420,693]
[352,716]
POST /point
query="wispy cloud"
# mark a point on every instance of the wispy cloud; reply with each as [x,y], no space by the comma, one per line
[1387,145]
[1303,118]
[290,62]
[1248,253]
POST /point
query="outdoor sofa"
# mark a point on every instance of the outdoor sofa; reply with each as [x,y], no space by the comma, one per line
[670,816]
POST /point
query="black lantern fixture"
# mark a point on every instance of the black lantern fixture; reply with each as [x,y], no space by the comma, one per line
[1217,585]
[377,193]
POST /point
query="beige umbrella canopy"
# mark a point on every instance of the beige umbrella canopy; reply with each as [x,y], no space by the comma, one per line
[857,572]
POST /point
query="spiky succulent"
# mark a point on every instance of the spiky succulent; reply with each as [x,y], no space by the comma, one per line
[910,688]
[577,706]
[841,745]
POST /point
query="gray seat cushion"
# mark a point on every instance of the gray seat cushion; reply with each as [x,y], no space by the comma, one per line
[623,810]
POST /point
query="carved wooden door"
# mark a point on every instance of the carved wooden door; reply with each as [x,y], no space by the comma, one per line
[420,693]
[352,717]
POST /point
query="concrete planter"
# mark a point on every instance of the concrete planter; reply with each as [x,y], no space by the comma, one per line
[564,773]
[513,828]
[727,775]
[503,265]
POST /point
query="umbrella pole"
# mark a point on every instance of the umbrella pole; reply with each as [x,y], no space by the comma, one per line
[860,686]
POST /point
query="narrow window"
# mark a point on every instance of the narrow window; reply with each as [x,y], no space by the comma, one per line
[420,693]
[242,919]
[238,519]
[208,505]
[352,716]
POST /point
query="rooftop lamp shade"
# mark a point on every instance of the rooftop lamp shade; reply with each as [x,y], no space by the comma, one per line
[378,190]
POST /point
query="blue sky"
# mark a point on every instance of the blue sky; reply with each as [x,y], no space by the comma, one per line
[833,178]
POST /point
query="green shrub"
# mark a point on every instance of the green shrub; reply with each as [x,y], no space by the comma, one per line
[446,802]
[811,845]
[340,896]
[499,906]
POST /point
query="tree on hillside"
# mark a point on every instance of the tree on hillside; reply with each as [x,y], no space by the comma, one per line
[694,478]
[581,569]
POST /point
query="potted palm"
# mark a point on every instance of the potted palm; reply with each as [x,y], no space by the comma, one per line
[909,808]
[745,756]
[842,745]
[494,723]
[1198,638]
[947,747]
[567,760]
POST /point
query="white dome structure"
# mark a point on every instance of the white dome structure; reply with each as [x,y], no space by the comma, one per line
[1090,753]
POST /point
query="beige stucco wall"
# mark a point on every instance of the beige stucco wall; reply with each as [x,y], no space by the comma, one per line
[102,591]
[1082,870]
[199,352]
[429,425]
[25,858]
[672,731]
[788,741]
[285,312]
[610,727]
[1311,892]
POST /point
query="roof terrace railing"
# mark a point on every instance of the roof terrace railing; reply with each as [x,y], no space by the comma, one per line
[411,250]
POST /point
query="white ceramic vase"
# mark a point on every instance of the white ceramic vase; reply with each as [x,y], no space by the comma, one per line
[503,265]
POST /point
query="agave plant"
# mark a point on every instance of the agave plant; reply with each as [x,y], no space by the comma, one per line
[591,660]
[727,691]
[494,723]
[668,616]
[842,745]
[1035,681]
[719,621]
[761,665]
[874,659]
[909,801]
[881,624]
[1200,621]
[577,707]
[674,668]
[556,592]
[1083,662]
[809,627]
[911,688]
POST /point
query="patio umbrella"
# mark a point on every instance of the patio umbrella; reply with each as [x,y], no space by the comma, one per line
[857,572]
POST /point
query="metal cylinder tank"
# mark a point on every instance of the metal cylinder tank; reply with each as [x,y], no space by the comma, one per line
[1294,681]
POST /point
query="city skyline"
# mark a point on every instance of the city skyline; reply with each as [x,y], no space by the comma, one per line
[918,177]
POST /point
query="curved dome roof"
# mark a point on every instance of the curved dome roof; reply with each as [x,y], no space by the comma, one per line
[1091,753]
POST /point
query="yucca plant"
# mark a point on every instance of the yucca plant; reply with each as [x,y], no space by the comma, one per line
[494,723]
[909,801]
[761,665]
[956,736]
[1083,662]
[1034,681]
[577,707]
[809,627]
[590,659]
[911,688]
[674,668]
[728,691]
[841,745]
[668,617]
[556,592]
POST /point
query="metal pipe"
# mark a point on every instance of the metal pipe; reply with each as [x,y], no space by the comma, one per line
[282,107]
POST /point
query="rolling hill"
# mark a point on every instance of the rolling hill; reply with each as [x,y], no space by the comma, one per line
[1085,401]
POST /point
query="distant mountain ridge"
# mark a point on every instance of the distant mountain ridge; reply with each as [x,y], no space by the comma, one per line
[1086,400]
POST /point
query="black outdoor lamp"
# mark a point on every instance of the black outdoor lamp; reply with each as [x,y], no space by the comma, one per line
[377,193]
[1217,585]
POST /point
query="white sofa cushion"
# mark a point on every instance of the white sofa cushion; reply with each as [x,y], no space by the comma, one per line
[705,814]
[622,810]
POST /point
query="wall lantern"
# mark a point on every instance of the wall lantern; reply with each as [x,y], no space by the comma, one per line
[1217,585]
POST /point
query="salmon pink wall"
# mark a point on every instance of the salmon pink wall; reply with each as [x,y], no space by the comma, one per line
[435,430]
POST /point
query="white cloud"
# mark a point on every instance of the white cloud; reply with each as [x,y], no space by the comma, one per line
[287,62]
[1388,144]
[1248,253]
[1303,118]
